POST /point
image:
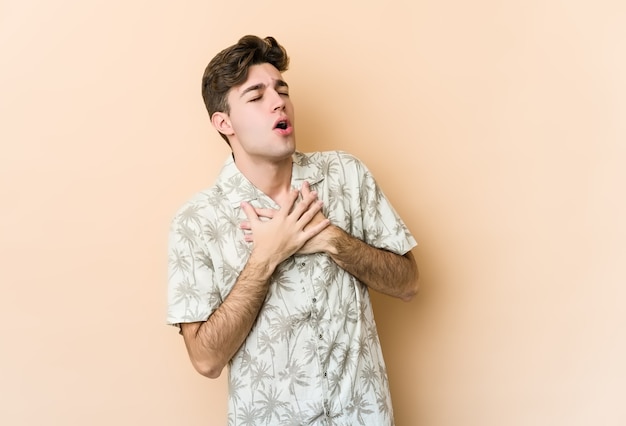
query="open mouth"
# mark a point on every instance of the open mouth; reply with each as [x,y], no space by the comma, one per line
[282,125]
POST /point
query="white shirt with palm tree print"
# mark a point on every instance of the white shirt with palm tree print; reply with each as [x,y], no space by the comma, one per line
[313,356]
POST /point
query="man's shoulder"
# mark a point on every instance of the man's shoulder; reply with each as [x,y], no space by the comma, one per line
[201,205]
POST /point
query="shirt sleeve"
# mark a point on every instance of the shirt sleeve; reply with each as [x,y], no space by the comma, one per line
[192,294]
[379,223]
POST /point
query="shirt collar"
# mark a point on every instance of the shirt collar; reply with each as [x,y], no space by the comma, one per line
[238,188]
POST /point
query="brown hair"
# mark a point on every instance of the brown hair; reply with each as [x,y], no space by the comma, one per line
[229,69]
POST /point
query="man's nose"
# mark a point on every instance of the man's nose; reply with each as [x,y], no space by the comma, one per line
[278,102]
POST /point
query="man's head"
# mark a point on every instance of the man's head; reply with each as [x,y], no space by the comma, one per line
[229,69]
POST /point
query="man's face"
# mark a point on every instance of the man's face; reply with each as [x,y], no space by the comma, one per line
[261,116]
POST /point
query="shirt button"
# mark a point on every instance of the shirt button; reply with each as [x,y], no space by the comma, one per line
[320,336]
[302,264]
[314,300]
[325,374]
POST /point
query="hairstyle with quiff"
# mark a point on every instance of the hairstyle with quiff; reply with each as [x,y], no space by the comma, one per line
[229,69]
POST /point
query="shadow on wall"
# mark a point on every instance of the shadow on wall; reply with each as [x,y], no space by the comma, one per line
[406,331]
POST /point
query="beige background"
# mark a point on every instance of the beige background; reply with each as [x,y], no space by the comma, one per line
[497,128]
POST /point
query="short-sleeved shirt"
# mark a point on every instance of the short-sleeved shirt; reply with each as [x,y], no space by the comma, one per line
[313,356]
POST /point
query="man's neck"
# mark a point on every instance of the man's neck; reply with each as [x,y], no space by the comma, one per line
[272,178]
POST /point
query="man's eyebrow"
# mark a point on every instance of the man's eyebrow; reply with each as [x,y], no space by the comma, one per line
[279,83]
[252,89]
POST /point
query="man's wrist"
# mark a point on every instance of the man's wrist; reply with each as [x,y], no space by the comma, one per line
[261,267]
[337,240]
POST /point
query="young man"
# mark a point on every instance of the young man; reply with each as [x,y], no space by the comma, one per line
[269,269]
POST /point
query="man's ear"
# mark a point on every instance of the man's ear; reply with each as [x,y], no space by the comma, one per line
[221,122]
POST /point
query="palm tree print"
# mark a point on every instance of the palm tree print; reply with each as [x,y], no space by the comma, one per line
[359,407]
[185,293]
[270,404]
[179,261]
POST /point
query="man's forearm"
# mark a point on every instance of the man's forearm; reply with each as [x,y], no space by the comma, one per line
[381,270]
[211,344]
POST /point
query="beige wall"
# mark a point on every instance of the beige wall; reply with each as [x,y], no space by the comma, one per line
[496,128]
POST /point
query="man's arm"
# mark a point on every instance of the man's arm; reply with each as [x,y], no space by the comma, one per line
[381,270]
[212,343]
[389,273]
